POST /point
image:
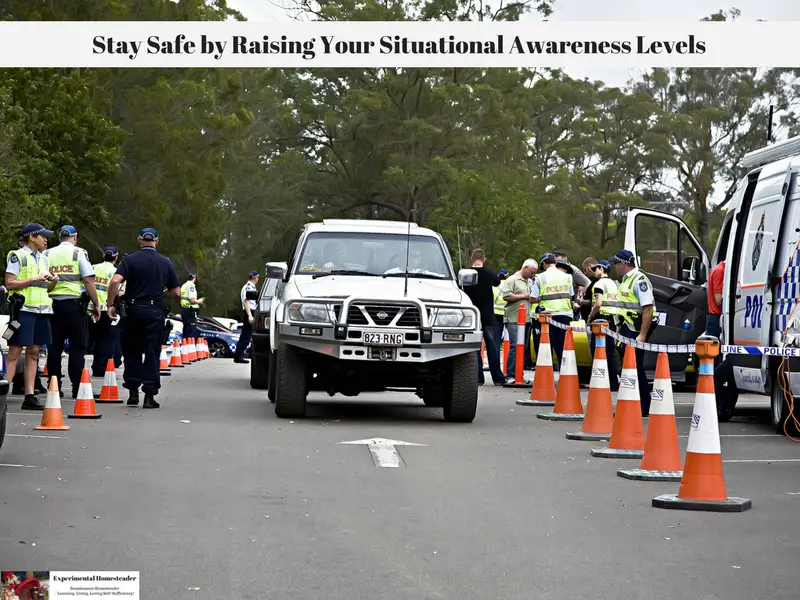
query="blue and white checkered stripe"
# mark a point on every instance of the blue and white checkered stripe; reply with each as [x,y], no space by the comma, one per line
[788,292]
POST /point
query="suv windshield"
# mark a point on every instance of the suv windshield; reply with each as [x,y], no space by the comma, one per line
[373,254]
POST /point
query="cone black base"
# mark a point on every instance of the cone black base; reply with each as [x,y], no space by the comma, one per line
[536,403]
[560,417]
[646,475]
[108,401]
[527,385]
[589,437]
[615,453]
[84,416]
[730,505]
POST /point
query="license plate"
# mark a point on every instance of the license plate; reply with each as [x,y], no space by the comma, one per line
[383,339]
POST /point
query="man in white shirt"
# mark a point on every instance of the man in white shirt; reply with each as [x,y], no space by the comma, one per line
[248,316]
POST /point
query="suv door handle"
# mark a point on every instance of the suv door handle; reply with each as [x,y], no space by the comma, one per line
[681,289]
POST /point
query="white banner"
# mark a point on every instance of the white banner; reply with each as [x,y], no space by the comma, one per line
[94,584]
[398,44]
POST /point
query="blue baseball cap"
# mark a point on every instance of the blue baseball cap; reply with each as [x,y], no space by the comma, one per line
[35,229]
[623,256]
[111,251]
[602,263]
[548,257]
[502,272]
[253,274]
[149,234]
[191,274]
[68,230]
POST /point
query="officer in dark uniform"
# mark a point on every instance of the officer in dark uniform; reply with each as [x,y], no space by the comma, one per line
[147,274]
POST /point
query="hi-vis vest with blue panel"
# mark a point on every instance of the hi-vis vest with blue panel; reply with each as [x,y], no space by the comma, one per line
[103,273]
[499,303]
[37,300]
[629,308]
[65,262]
[554,296]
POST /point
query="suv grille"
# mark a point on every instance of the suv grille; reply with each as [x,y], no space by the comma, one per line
[382,315]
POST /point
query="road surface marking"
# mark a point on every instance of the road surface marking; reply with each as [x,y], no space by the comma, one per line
[21,466]
[763,460]
[775,435]
[383,451]
[46,437]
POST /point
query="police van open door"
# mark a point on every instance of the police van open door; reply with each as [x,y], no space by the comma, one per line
[678,267]
[761,278]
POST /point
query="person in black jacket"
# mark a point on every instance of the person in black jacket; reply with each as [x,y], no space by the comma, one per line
[482,297]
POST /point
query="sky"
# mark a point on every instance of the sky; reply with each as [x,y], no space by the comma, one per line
[269,11]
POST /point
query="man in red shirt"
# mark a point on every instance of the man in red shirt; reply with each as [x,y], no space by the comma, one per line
[715,279]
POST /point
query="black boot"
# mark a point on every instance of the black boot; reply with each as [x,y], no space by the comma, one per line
[38,388]
[133,398]
[150,402]
[31,402]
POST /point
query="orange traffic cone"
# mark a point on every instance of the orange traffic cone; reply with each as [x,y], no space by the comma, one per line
[506,350]
[175,361]
[662,455]
[599,419]
[109,393]
[703,483]
[53,417]
[163,363]
[206,353]
[84,403]
[44,372]
[193,349]
[185,351]
[627,435]
[543,392]
[568,397]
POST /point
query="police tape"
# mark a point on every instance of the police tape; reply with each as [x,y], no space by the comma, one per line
[681,348]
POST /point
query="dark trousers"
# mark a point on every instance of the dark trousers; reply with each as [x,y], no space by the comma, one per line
[713,326]
[644,385]
[143,326]
[490,339]
[69,321]
[611,355]
[557,337]
[189,321]
[244,337]
[106,345]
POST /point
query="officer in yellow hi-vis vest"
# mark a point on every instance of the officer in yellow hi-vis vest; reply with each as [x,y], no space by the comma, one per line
[106,332]
[190,304]
[553,291]
[605,307]
[28,278]
[75,275]
[637,311]
[499,311]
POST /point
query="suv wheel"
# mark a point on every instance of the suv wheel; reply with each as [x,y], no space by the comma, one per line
[259,371]
[290,383]
[462,403]
[272,378]
[2,427]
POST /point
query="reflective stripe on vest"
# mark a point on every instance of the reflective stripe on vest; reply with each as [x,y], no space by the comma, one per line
[554,293]
[185,294]
[499,303]
[64,263]
[610,302]
[37,299]
[628,304]
[103,272]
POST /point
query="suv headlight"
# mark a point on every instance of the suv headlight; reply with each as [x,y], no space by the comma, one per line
[307,312]
[454,317]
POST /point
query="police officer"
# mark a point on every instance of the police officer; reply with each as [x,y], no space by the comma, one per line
[146,274]
[637,312]
[106,333]
[605,307]
[75,274]
[499,312]
[248,316]
[28,274]
[189,307]
[553,291]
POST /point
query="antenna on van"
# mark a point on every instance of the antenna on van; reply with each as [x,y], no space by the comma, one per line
[408,249]
[769,123]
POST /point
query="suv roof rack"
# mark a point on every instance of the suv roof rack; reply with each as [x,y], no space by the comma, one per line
[762,156]
[369,223]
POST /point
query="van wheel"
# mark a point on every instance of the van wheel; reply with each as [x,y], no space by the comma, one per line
[291,386]
[782,419]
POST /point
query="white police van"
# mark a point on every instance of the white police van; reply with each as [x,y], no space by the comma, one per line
[760,243]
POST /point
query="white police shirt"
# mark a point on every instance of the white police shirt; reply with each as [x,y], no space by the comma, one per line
[248,287]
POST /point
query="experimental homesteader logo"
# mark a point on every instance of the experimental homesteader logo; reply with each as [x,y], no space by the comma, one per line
[598,372]
[758,242]
[657,395]
[695,421]
[627,382]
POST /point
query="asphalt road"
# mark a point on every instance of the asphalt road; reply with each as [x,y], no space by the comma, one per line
[241,504]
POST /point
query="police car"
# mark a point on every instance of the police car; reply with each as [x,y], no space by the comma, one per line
[760,243]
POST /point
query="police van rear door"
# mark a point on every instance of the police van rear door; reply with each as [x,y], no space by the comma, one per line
[754,266]
[678,267]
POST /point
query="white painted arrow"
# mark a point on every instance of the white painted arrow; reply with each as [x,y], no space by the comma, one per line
[383,451]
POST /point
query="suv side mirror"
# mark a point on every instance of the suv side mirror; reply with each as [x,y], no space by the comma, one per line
[275,272]
[690,270]
[467,277]
[251,294]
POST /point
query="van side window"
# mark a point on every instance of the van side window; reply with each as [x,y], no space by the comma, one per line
[657,246]
[724,237]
